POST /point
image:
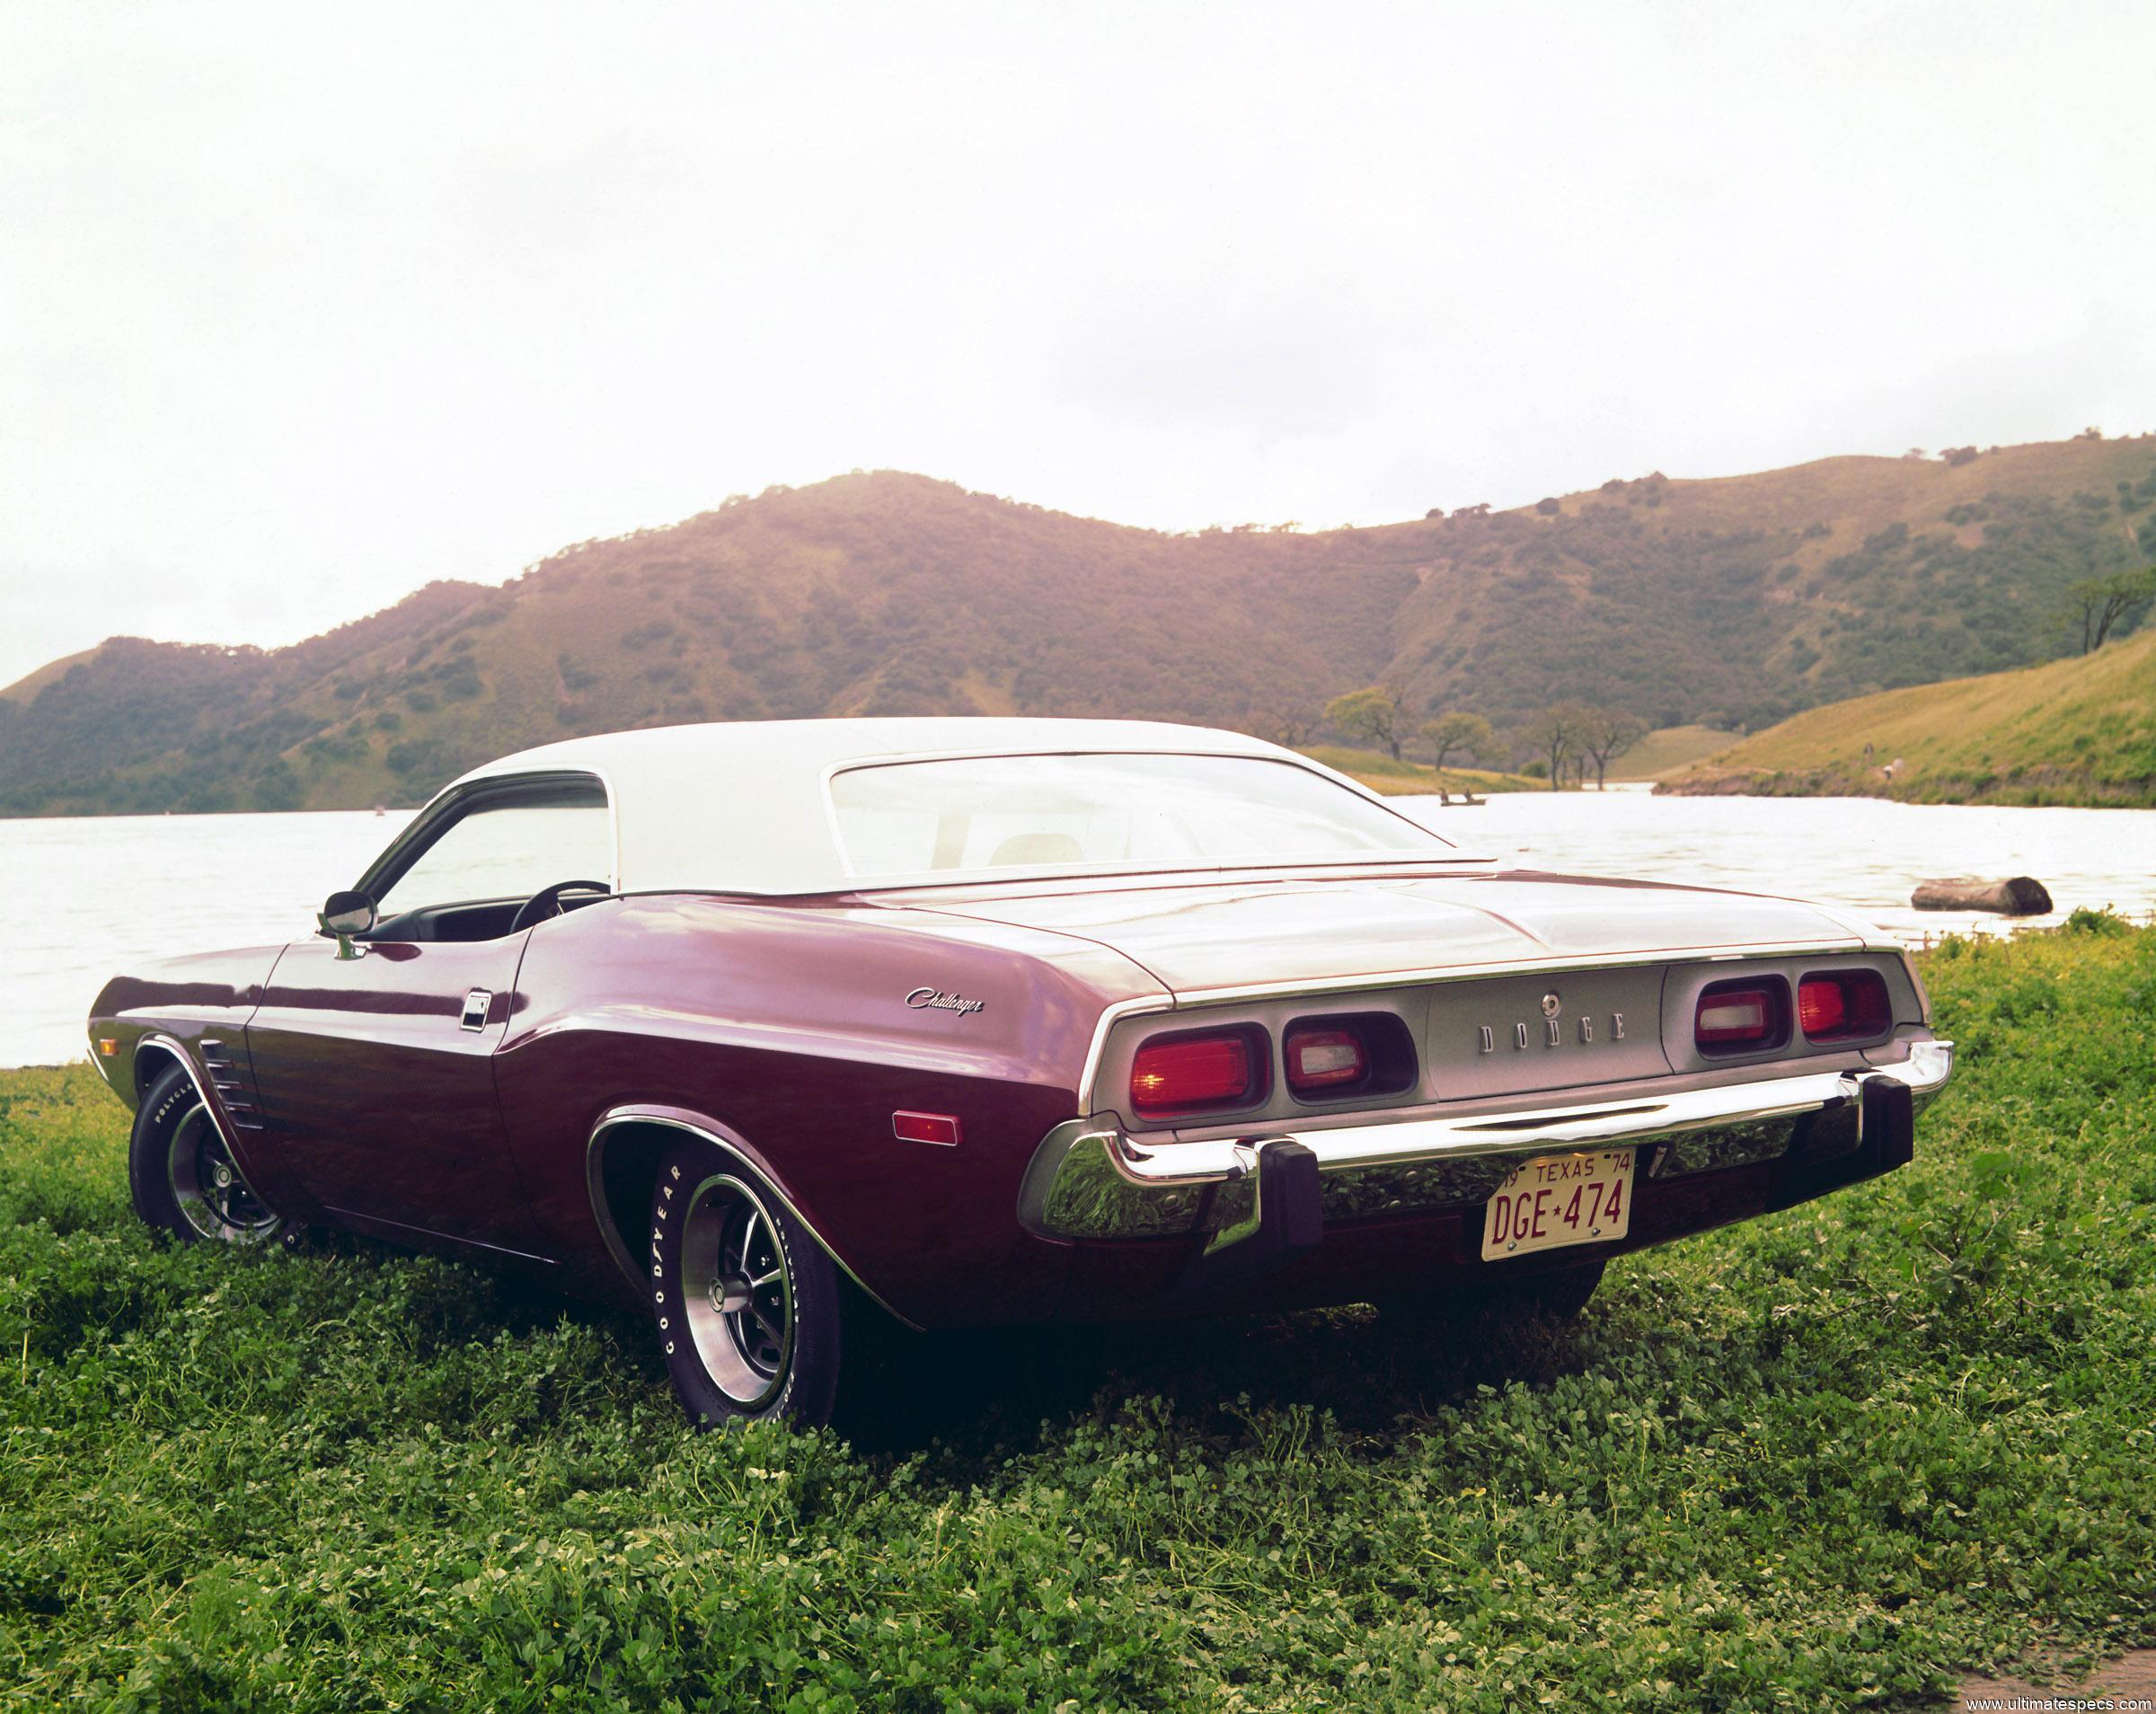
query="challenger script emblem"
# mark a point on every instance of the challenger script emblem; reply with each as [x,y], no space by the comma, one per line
[936,1000]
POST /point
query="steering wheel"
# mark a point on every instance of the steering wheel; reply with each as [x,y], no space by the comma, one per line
[547,902]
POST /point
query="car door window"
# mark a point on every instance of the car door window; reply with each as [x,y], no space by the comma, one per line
[508,848]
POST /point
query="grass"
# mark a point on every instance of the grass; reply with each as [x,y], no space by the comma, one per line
[2079,730]
[1823,1460]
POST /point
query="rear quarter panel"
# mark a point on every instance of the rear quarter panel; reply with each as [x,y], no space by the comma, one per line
[788,1024]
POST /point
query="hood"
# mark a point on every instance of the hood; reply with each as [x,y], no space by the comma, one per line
[1196,935]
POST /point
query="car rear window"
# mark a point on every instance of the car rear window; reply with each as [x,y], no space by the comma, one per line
[991,813]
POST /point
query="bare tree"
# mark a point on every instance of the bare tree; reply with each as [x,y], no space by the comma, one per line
[1554,735]
[1283,719]
[1604,735]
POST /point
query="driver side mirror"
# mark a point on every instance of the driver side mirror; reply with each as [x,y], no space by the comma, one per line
[344,915]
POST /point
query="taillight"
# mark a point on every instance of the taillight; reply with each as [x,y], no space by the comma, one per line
[1324,1059]
[1741,1017]
[1845,1005]
[1197,1073]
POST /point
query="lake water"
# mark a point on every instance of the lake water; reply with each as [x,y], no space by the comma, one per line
[80,899]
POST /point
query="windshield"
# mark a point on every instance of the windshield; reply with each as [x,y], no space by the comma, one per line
[1111,811]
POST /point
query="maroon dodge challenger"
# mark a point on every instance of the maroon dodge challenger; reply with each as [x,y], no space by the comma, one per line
[786,1026]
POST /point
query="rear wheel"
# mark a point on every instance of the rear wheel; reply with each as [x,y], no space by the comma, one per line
[183,1178]
[747,1303]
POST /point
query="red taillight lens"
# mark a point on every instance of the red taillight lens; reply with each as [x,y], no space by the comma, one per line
[1846,1006]
[1740,1017]
[1320,1059]
[1193,1074]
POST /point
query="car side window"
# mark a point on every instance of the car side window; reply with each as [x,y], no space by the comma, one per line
[508,847]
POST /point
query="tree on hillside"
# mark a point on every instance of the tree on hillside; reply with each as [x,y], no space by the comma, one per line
[1282,718]
[1604,735]
[1554,735]
[2099,605]
[1468,734]
[1377,712]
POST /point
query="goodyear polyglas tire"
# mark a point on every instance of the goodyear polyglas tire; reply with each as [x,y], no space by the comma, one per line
[746,1303]
[183,1178]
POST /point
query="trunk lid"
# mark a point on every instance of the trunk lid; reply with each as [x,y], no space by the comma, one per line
[1197,934]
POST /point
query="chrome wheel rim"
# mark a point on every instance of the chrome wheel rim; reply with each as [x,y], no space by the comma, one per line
[737,1296]
[205,1183]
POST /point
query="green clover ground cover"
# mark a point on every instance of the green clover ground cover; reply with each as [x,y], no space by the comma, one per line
[1817,1461]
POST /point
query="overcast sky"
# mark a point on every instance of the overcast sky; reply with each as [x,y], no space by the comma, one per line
[300,306]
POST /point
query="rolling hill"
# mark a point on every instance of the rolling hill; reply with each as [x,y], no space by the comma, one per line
[2081,731]
[1670,750]
[1726,603]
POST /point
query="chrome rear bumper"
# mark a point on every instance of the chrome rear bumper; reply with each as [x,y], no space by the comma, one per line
[1089,1180]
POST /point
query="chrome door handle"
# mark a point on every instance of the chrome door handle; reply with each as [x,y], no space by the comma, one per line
[477,1003]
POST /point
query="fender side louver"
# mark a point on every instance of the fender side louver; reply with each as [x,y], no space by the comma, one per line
[233,1081]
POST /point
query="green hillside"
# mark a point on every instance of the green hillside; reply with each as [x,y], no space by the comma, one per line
[1738,601]
[1727,603]
[1669,750]
[2075,731]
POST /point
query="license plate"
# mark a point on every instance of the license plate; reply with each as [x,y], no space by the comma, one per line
[1552,1200]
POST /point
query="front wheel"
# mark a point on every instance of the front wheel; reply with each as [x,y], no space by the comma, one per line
[183,1178]
[747,1303]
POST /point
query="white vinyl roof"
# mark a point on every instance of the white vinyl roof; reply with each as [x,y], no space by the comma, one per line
[742,806]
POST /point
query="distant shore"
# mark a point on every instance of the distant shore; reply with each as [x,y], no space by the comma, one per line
[2036,788]
[1404,779]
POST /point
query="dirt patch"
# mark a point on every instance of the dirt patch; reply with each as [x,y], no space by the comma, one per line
[2128,1683]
